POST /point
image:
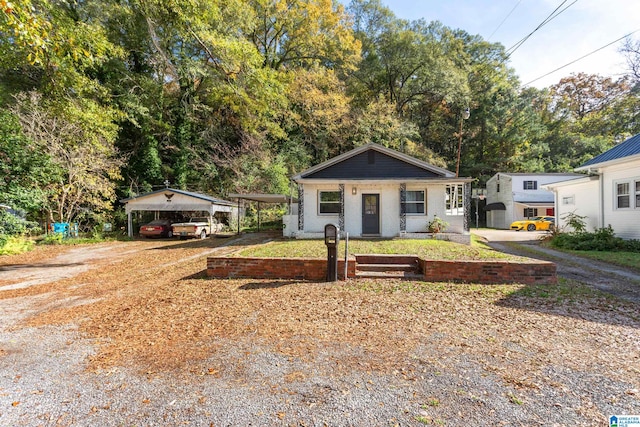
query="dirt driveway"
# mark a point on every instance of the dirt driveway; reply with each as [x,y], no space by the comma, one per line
[137,335]
[615,280]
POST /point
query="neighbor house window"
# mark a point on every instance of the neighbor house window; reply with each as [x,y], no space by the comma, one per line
[569,200]
[530,212]
[637,184]
[497,187]
[415,202]
[329,202]
[454,199]
[530,185]
[623,197]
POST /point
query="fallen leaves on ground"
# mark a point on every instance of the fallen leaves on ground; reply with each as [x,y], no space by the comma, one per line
[155,310]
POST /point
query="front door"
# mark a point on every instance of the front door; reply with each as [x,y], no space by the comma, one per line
[370,214]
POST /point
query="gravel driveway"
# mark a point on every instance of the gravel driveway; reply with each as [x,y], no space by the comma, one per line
[108,346]
[615,280]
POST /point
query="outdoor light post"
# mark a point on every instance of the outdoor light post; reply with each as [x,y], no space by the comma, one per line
[465,115]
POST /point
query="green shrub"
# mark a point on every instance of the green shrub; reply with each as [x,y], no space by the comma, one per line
[11,245]
[52,239]
[602,239]
[11,225]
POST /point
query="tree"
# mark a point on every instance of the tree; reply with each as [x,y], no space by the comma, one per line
[78,139]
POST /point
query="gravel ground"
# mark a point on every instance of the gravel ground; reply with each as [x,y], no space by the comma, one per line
[615,280]
[476,356]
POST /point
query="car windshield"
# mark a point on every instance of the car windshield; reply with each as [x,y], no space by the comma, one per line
[158,222]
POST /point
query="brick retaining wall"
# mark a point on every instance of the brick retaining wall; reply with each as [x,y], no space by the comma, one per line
[275,268]
[314,269]
[530,273]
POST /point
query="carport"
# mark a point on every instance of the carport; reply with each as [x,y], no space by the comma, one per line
[261,198]
[174,200]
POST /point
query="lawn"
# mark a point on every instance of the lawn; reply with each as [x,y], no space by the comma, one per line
[625,259]
[425,248]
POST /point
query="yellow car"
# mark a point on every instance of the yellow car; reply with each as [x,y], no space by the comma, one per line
[533,224]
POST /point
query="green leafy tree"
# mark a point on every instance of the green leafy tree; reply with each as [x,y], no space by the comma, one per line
[78,139]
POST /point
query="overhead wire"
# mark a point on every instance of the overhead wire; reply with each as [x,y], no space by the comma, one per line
[556,12]
[581,58]
[503,21]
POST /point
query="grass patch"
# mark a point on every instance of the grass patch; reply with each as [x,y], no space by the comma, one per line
[15,245]
[564,291]
[629,260]
[429,249]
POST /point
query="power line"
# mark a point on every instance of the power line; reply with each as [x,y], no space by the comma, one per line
[582,57]
[548,19]
[505,18]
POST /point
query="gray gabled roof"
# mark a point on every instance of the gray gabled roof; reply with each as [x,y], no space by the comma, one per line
[630,147]
[200,196]
[441,172]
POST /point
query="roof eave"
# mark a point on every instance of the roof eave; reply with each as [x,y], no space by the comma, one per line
[595,166]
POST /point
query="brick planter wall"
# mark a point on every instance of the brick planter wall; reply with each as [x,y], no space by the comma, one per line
[275,268]
[533,273]
[313,269]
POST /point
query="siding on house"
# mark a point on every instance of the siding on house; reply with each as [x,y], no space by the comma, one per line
[314,222]
[625,221]
[372,164]
[518,196]
[578,196]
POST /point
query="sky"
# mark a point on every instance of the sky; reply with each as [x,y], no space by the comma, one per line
[585,26]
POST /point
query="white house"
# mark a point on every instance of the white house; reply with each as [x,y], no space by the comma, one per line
[610,192]
[379,192]
[517,196]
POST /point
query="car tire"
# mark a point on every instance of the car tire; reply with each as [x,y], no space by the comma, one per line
[170,234]
[531,227]
[203,234]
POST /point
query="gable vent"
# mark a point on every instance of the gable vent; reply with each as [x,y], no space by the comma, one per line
[372,157]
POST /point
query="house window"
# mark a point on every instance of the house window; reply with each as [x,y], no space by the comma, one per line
[530,212]
[329,202]
[454,199]
[415,202]
[637,194]
[530,185]
[497,187]
[569,200]
[622,195]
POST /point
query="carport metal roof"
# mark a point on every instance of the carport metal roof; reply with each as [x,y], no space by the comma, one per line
[264,198]
[172,199]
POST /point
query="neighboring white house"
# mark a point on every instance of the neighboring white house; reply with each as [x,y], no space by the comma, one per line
[376,191]
[609,195]
[517,196]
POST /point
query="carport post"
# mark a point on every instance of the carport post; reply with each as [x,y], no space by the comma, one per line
[238,216]
[129,224]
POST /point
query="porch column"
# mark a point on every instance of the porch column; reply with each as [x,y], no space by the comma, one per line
[341,217]
[300,208]
[403,207]
[467,206]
